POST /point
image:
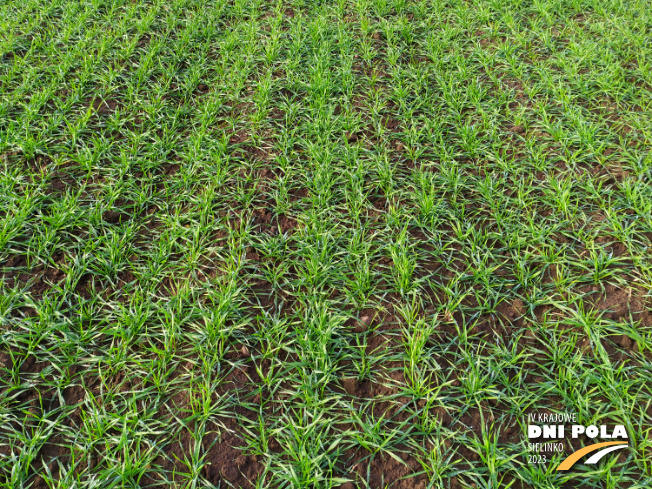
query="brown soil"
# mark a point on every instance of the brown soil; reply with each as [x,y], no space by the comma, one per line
[618,303]
[227,462]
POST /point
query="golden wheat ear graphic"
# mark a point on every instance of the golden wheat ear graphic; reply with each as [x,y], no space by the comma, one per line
[574,457]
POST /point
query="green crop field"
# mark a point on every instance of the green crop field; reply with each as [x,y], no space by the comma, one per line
[323,243]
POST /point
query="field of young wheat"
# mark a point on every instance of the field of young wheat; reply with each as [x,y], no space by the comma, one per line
[323,244]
